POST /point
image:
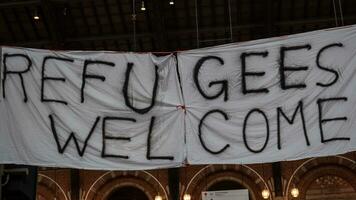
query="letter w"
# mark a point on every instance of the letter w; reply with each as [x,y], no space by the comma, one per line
[61,149]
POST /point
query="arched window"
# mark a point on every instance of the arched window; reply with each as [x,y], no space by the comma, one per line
[330,187]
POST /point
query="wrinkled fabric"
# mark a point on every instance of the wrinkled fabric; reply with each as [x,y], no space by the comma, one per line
[219,114]
[26,134]
[217,131]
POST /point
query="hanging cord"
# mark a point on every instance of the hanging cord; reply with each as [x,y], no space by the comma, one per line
[341,13]
[134,24]
[230,20]
[335,14]
[197,22]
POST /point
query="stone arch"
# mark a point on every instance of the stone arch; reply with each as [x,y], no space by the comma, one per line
[212,174]
[49,188]
[314,168]
[112,180]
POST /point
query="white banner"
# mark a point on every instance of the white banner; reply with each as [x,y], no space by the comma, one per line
[271,100]
[93,110]
[268,100]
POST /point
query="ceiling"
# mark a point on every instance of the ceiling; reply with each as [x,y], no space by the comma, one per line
[109,24]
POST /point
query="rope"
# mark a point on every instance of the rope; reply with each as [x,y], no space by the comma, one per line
[341,13]
[197,22]
[230,20]
[335,14]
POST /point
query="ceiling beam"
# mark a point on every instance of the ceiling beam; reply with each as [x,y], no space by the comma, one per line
[149,25]
[175,14]
[8,25]
[52,22]
[159,32]
[84,18]
[269,18]
[31,20]
[123,22]
[20,24]
[184,32]
[96,16]
[19,4]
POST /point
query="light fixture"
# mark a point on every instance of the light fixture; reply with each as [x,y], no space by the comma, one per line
[158,197]
[36,16]
[143,8]
[171,2]
[265,193]
[65,11]
[187,197]
[294,192]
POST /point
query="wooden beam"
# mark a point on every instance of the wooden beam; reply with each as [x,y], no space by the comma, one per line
[187,32]
[11,4]
[305,11]
[159,32]
[52,23]
[174,8]
[84,17]
[123,22]
[150,23]
[214,17]
[33,25]
[187,14]
[291,15]
[269,18]
[252,17]
[9,26]
[20,24]
[97,20]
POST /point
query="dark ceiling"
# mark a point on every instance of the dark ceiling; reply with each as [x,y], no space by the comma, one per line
[109,24]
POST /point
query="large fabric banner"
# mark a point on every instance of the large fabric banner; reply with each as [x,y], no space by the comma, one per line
[268,100]
[93,110]
[271,100]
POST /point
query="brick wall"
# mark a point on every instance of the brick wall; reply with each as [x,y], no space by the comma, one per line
[194,179]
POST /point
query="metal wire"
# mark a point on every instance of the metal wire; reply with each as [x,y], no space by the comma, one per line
[341,13]
[197,25]
[230,20]
[215,40]
[197,22]
[134,24]
[335,14]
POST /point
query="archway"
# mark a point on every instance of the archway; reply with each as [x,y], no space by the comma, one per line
[227,185]
[48,188]
[127,193]
[320,178]
[112,182]
[232,176]
[330,187]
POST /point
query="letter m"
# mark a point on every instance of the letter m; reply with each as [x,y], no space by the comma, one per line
[291,121]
